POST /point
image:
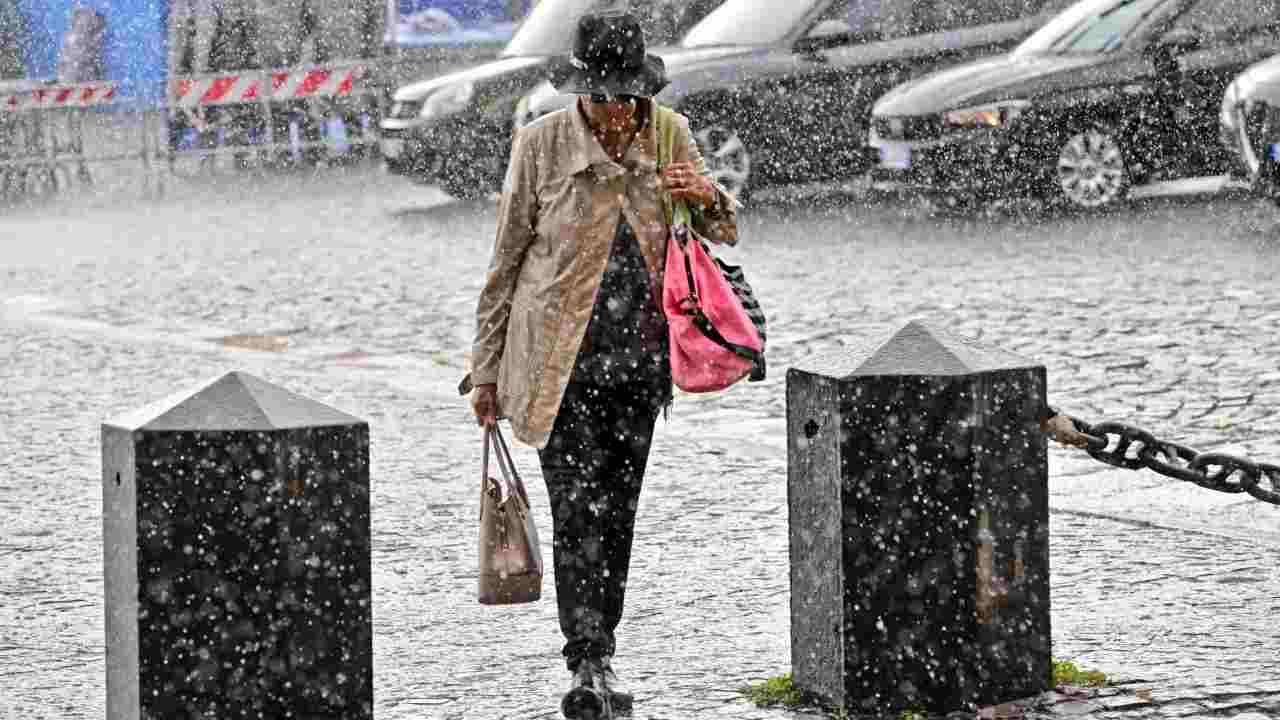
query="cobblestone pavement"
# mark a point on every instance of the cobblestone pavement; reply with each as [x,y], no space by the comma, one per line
[1164,314]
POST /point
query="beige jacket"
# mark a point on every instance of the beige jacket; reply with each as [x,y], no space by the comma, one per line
[556,223]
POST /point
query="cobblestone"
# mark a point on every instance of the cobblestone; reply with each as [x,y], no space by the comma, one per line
[1159,315]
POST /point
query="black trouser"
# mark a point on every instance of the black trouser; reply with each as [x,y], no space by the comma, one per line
[594,466]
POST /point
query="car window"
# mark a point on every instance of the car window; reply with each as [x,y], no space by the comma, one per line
[749,22]
[1053,7]
[666,22]
[1225,15]
[549,28]
[1093,26]
[881,19]
[891,19]
[863,17]
[937,15]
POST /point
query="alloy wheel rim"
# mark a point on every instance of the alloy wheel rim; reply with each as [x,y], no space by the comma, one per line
[728,160]
[1091,170]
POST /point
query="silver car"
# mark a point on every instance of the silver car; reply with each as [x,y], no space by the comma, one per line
[1250,123]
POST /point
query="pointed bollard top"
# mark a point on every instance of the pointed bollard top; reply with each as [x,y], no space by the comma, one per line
[236,401]
[918,348]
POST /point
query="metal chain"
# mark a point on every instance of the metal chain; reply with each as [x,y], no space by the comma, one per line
[1136,449]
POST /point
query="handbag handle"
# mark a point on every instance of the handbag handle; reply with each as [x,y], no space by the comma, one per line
[484,465]
[484,474]
[506,464]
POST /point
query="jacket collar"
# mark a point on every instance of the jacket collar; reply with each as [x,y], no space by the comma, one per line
[587,153]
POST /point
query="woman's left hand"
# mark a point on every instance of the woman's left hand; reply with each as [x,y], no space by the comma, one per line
[685,183]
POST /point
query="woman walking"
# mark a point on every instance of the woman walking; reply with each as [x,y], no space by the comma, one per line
[571,343]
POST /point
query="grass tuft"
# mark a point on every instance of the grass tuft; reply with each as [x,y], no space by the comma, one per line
[1066,672]
[775,691]
[781,691]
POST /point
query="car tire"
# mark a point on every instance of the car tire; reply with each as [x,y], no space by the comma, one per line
[727,155]
[468,183]
[1089,169]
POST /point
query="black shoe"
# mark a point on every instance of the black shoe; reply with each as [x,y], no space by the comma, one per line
[620,699]
[586,699]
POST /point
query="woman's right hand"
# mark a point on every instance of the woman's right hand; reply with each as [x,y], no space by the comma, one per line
[484,402]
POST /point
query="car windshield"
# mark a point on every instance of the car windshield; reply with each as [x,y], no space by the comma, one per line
[549,28]
[749,22]
[1092,26]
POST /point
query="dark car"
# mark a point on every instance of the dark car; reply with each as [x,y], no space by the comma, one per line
[1109,94]
[780,91]
[455,129]
[1250,127]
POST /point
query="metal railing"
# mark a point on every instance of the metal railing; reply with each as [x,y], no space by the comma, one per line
[42,136]
[261,117]
[258,117]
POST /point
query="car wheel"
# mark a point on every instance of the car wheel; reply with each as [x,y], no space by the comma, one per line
[468,182]
[727,156]
[1090,172]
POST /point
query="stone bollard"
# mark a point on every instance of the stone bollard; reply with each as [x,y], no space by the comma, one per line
[918,491]
[237,557]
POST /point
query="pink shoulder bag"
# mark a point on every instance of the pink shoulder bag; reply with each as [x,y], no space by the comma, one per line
[714,340]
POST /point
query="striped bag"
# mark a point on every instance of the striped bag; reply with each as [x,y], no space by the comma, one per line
[738,280]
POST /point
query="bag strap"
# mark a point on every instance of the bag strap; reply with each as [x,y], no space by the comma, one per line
[484,466]
[664,126]
[704,325]
[484,473]
[507,465]
[700,319]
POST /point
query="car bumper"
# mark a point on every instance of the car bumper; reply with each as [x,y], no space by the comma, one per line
[425,150]
[987,164]
[1251,139]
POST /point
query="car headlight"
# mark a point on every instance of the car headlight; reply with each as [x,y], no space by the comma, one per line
[448,100]
[986,116]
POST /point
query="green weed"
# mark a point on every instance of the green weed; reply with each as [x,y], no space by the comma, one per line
[775,691]
[781,691]
[1066,672]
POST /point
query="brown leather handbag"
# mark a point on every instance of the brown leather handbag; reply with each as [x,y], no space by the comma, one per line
[510,557]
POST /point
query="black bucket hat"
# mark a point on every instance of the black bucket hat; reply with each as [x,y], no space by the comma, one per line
[609,58]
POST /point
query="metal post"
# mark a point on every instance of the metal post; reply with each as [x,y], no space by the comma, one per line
[918,496]
[270,122]
[393,22]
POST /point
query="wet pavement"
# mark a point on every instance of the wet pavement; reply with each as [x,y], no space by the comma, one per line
[357,289]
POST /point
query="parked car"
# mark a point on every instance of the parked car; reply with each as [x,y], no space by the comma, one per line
[780,91]
[455,130]
[1108,94]
[1250,127]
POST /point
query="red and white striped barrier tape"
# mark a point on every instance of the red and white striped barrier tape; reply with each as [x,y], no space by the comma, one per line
[59,96]
[315,83]
[278,86]
[193,92]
